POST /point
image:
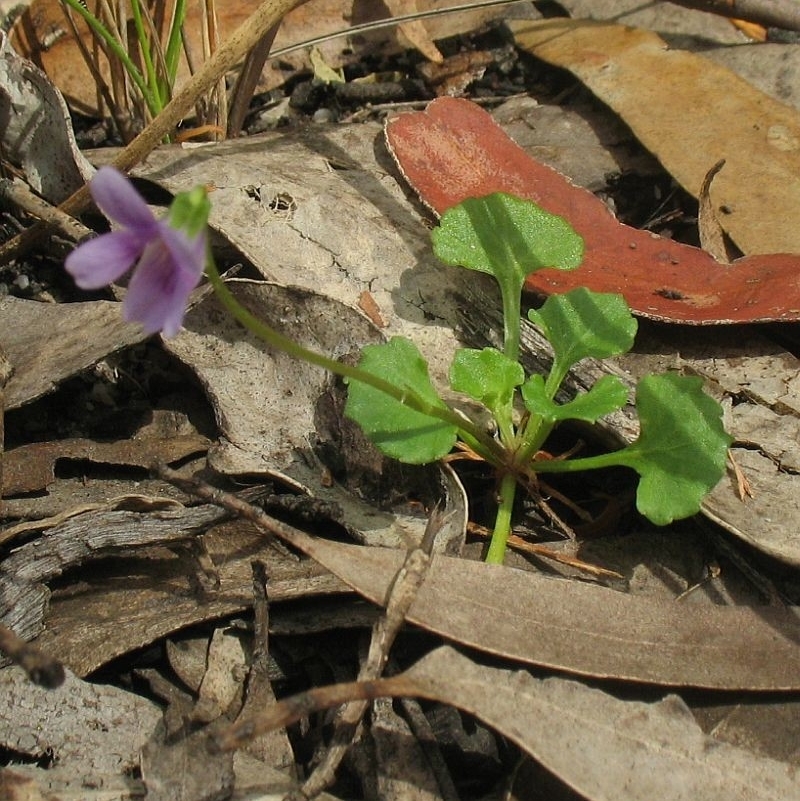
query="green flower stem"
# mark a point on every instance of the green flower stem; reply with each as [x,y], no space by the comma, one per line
[505,426]
[558,372]
[536,429]
[512,302]
[116,48]
[502,522]
[472,434]
[621,458]
[532,438]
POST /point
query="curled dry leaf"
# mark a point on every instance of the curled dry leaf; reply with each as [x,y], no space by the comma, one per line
[712,235]
[49,342]
[32,467]
[37,131]
[272,409]
[454,150]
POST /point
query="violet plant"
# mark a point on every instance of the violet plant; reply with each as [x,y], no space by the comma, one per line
[680,453]
[170,254]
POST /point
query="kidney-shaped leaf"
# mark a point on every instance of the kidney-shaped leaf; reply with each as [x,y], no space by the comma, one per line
[681,451]
[399,431]
[581,323]
[507,237]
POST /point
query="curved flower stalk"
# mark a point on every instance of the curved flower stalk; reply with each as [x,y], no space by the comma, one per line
[168,255]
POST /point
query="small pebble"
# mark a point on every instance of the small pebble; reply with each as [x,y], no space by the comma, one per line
[22,282]
[323,115]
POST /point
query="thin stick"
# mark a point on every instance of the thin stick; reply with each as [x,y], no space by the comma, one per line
[19,194]
[268,525]
[292,709]
[247,80]
[402,593]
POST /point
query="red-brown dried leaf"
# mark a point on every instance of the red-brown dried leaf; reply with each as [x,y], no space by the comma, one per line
[454,150]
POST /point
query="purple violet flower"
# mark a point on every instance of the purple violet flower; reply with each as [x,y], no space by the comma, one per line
[169,260]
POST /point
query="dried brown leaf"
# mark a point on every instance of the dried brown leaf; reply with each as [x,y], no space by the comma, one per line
[48,342]
[606,749]
[690,112]
[31,468]
[583,628]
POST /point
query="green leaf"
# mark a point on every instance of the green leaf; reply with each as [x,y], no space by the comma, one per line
[397,430]
[682,449]
[488,376]
[607,395]
[582,323]
[509,238]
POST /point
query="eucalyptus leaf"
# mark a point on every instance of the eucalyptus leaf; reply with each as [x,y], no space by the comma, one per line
[581,324]
[682,449]
[607,395]
[397,430]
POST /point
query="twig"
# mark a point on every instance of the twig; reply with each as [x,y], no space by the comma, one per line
[292,709]
[401,595]
[19,194]
[247,80]
[258,687]
[268,525]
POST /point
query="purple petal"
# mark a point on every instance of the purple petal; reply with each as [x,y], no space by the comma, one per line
[118,200]
[103,260]
[159,289]
[189,255]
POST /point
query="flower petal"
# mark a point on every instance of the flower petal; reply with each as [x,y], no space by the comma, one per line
[118,200]
[159,289]
[188,253]
[103,260]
